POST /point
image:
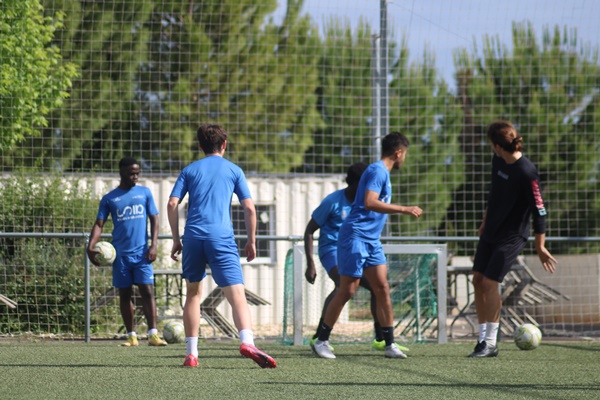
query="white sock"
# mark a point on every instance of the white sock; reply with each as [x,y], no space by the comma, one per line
[246,336]
[191,345]
[132,333]
[491,334]
[481,332]
[152,332]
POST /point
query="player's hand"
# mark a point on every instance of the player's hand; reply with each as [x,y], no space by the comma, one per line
[547,260]
[92,253]
[176,250]
[152,253]
[250,250]
[311,273]
[414,211]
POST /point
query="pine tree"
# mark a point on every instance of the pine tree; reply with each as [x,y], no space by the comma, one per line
[551,92]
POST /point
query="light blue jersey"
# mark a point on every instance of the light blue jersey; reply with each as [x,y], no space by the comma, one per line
[329,215]
[129,210]
[209,210]
[208,236]
[361,223]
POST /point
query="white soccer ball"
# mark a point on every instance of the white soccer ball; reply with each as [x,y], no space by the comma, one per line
[174,332]
[107,253]
[528,337]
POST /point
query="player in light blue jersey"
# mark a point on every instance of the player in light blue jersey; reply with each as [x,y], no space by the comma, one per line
[209,239]
[360,252]
[131,206]
[328,218]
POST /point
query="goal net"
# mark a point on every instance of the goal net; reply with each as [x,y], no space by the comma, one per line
[417,278]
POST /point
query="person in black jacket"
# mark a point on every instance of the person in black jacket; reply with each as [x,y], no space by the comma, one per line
[514,198]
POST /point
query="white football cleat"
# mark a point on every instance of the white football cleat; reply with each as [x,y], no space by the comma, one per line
[323,350]
[392,351]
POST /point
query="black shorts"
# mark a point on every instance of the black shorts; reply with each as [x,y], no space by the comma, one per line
[494,260]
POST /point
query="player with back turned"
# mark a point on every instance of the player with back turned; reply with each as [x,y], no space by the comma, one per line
[209,239]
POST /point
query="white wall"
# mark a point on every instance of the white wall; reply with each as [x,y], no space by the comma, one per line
[294,198]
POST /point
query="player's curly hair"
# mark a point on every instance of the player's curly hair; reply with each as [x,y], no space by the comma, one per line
[127,162]
[504,134]
[354,173]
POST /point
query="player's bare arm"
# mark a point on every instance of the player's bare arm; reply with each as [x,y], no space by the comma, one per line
[548,261]
[311,273]
[250,221]
[94,238]
[173,217]
[480,231]
[372,203]
[153,250]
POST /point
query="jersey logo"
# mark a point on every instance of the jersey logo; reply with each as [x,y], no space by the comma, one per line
[131,211]
[503,175]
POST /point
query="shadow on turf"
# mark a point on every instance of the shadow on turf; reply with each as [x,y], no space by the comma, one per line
[462,385]
[573,347]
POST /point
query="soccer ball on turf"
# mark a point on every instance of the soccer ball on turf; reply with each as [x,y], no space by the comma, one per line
[528,337]
[173,332]
[107,253]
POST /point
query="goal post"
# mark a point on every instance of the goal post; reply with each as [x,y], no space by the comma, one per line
[413,269]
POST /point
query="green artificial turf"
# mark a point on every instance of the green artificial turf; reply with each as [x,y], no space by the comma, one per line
[103,370]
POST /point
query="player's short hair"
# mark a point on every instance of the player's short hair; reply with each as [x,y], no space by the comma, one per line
[504,134]
[127,162]
[211,138]
[355,171]
[392,142]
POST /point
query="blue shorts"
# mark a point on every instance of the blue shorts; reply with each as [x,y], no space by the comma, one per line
[221,255]
[356,255]
[132,269]
[329,259]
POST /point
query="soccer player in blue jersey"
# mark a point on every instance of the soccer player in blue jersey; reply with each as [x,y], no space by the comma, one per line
[328,218]
[360,252]
[513,200]
[131,206]
[209,239]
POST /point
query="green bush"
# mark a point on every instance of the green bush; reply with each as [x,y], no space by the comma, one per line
[45,276]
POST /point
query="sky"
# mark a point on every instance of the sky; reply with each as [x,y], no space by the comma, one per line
[446,25]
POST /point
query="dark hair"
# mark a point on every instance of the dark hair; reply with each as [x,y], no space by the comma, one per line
[392,142]
[504,134]
[355,171]
[211,138]
[127,162]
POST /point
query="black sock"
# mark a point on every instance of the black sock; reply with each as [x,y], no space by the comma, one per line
[378,333]
[325,332]
[388,334]
[316,335]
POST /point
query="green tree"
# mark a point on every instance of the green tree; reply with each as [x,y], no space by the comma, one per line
[551,92]
[33,78]
[423,108]
[227,62]
[105,39]
[344,100]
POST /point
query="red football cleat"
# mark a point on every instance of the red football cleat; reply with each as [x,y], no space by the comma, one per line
[260,357]
[190,361]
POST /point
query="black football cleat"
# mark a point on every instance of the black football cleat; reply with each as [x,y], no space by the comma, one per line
[484,350]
